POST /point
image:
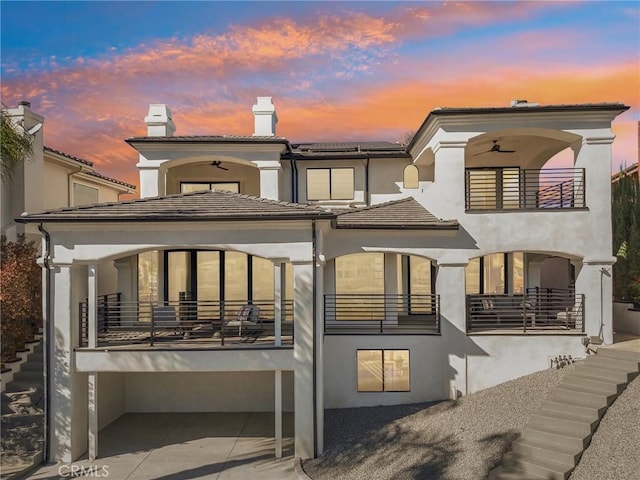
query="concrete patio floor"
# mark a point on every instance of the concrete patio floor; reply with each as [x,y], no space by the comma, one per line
[183,446]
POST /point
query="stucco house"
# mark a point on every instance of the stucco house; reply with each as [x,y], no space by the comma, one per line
[50,179]
[257,274]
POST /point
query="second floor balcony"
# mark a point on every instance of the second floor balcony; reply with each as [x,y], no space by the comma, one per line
[513,188]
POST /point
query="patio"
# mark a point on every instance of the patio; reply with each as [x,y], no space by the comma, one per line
[181,446]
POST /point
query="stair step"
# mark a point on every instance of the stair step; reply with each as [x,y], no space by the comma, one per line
[569,414]
[531,449]
[560,440]
[28,376]
[510,473]
[602,373]
[545,468]
[23,387]
[617,353]
[22,420]
[612,362]
[587,413]
[572,394]
[31,365]
[554,424]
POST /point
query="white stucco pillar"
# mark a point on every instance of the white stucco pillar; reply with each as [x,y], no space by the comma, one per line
[149,181]
[93,415]
[303,355]
[594,281]
[92,306]
[269,179]
[450,285]
[450,173]
[391,288]
[279,293]
[68,392]
[278,412]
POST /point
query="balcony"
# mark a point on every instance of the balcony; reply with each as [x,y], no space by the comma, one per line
[188,324]
[512,188]
[538,311]
[402,314]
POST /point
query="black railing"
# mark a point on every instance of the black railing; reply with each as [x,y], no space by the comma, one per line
[216,322]
[381,314]
[512,188]
[545,310]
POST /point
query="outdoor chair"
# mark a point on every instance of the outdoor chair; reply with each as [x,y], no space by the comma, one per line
[248,318]
[164,318]
[572,318]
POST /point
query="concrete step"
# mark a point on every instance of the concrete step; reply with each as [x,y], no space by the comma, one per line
[510,473]
[29,376]
[586,413]
[558,423]
[545,468]
[569,414]
[560,440]
[538,450]
[619,354]
[596,386]
[21,420]
[576,395]
[32,365]
[603,373]
[24,387]
[612,362]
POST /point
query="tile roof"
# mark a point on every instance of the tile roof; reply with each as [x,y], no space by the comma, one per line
[346,150]
[196,206]
[91,172]
[209,139]
[406,213]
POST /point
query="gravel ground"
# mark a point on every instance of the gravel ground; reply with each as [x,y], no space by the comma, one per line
[614,451]
[461,440]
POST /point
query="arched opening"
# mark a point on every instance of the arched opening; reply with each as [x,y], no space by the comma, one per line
[522,290]
[212,173]
[410,177]
[382,291]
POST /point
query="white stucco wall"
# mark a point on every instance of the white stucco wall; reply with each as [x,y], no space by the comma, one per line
[340,369]
[111,398]
[626,320]
[500,358]
[205,392]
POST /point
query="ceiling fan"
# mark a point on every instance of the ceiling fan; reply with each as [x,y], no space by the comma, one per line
[495,148]
[218,164]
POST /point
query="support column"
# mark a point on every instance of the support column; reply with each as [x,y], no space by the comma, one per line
[269,179]
[450,172]
[149,180]
[127,269]
[390,288]
[279,294]
[595,282]
[93,416]
[92,306]
[304,392]
[278,410]
[450,285]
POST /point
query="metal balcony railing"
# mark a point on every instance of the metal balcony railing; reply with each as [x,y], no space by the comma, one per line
[210,323]
[381,314]
[512,188]
[536,311]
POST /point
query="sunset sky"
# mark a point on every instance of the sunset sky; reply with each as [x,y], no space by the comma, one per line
[336,70]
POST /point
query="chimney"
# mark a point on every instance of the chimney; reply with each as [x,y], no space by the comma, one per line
[264,113]
[159,122]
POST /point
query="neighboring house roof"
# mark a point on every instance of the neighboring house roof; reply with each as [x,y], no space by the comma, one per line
[87,163]
[630,171]
[406,213]
[196,206]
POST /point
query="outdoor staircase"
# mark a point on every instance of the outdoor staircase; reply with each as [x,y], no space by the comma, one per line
[553,441]
[22,420]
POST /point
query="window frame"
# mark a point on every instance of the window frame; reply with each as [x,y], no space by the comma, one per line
[210,184]
[331,194]
[383,350]
[89,187]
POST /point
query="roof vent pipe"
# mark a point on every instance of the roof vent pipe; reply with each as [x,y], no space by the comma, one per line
[265,118]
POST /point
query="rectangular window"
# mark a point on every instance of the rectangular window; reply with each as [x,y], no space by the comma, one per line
[493,188]
[330,183]
[383,370]
[84,195]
